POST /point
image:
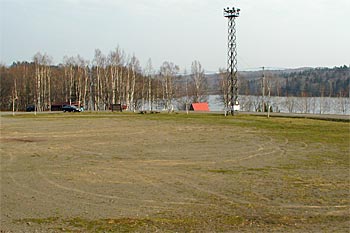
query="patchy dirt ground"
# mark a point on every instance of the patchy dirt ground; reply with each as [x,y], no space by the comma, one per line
[160,173]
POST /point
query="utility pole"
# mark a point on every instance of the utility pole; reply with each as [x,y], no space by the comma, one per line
[269,99]
[231,14]
[263,89]
[187,102]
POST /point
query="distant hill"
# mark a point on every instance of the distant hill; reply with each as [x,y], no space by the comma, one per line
[312,82]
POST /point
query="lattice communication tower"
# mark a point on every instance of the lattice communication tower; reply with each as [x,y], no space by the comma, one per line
[232,98]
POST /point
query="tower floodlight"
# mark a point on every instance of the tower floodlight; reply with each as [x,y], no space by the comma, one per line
[231,14]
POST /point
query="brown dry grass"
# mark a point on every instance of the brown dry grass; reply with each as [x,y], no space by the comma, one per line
[148,173]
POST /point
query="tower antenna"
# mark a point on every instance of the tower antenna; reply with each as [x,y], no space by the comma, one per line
[232,102]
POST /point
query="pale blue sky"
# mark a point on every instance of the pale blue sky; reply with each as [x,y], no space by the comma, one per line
[271,33]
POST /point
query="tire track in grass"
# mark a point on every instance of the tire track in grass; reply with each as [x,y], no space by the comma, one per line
[190,187]
[27,190]
[152,203]
[265,149]
[191,183]
[153,180]
[86,193]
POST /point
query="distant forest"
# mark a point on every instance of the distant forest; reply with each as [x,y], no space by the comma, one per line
[303,82]
[118,78]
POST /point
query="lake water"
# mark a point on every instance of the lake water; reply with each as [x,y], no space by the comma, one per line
[312,105]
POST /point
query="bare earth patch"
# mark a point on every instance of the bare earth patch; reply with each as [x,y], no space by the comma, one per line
[149,173]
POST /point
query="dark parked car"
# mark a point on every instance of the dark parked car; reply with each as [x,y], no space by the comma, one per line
[70,108]
[30,108]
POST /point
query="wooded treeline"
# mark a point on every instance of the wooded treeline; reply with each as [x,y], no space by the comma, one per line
[119,78]
[116,78]
[319,82]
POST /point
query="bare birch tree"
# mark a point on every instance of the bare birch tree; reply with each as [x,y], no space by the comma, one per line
[42,81]
[81,80]
[168,72]
[99,62]
[115,60]
[69,71]
[198,82]
[133,70]
[148,74]
[224,84]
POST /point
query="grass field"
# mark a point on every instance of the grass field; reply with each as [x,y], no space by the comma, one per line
[90,172]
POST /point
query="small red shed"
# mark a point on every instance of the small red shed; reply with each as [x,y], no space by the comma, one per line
[200,107]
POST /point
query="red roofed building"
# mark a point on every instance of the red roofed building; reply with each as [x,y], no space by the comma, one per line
[200,107]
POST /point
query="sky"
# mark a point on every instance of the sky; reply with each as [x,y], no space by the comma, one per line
[270,33]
